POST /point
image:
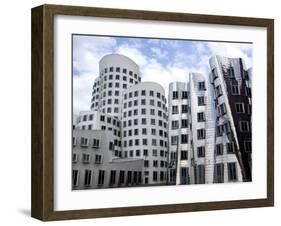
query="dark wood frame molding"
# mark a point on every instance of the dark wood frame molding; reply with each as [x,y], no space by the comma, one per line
[42,203]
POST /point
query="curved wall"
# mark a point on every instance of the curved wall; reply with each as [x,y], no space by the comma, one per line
[117,73]
[144,129]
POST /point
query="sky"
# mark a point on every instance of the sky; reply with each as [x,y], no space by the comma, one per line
[160,60]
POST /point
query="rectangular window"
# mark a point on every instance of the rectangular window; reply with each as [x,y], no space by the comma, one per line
[101,177]
[137,142]
[227,127]
[219,173]
[184,123]
[144,141]
[86,158]
[73,141]
[111,144]
[145,152]
[88,178]
[175,95]
[84,142]
[184,155]
[201,100]
[184,109]
[201,152]
[162,175]
[230,148]
[175,124]
[184,179]
[174,140]
[155,163]
[219,149]
[234,89]
[96,143]
[230,71]
[121,177]
[136,132]
[98,159]
[112,177]
[200,174]
[135,122]
[244,126]
[184,95]
[219,130]
[74,157]
[239,107]
[146,163]
[184,138]
[175,109]
[200,134]
[75,177]
[232,171]
[129,177]
[248,146]
[201,86]
[218,91]
[155,175]
[135,111]
[221,109]
[200,117]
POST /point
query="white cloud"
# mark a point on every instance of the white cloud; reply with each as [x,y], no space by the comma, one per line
[132,52]
[164,75]
[232,50]
[179,61]
[82,89]
[159,53]
[87,51]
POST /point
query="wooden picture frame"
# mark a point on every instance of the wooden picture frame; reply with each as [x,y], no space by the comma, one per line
[43,112]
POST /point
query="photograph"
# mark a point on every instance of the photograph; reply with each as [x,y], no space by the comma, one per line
[160,112]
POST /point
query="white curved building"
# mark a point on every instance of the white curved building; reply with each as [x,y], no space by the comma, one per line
[117,73]
[144,129]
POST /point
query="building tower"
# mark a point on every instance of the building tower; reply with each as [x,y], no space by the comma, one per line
[117,73]
[179,133]
[144,129]
[232,94]
[202,129]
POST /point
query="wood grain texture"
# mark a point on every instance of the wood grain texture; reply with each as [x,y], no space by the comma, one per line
[43,106]
[37,158]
